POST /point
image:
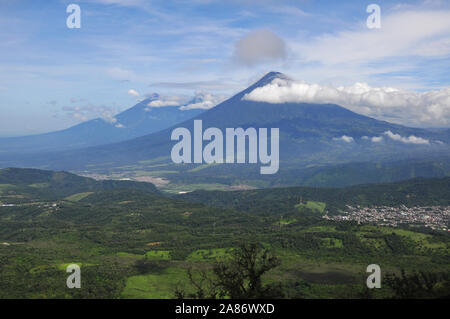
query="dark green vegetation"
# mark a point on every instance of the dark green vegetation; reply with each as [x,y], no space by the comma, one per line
[419,285]
[416,192]
[237,277]
[188,177]
[133,242]
[25,185]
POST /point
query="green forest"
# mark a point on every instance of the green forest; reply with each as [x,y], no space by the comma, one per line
[133,241]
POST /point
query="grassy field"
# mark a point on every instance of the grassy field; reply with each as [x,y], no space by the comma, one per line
[201,167]
[317,279]
[78,197]
[5,187]
[155,286]
[209,254]
[332,243]
[123,254]
[177,188]
[419,239]
[286,221]
[39,185]
[314,229]
[158,254]
[312,205]
[65,265]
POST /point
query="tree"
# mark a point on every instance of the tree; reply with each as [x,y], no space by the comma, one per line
[419,285]
[145,266]
[239,277]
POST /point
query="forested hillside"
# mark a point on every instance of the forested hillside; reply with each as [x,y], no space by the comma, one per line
[416,192]
[135,243]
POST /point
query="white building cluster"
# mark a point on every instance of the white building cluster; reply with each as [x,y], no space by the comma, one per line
[435,217]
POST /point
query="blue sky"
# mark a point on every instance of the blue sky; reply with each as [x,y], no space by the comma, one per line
[52,77]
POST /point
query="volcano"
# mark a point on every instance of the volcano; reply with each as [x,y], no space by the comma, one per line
[311,135]
[136,121]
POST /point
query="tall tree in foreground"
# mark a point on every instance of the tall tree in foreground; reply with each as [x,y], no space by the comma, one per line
[239,277]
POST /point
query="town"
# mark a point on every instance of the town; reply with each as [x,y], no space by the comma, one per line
[434,217]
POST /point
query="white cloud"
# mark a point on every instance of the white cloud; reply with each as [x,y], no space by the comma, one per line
[411,108]
[344,138]
[80,117]
[408,51]
[289,10]
[376,139]
[166,101]
[201,100]
[133,92]
[259,46]
[87,112]
[407,140]
[403,33]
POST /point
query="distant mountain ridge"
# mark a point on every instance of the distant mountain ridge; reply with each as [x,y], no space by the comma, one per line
[57,185]
[310,136]
[134,122]
[411,192]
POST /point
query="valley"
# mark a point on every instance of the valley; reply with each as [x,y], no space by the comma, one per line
[132,241]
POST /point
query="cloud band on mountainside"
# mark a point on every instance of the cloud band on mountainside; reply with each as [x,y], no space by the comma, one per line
[410,108]
[397,137]
[407,140]
[87,112]
[201,100]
